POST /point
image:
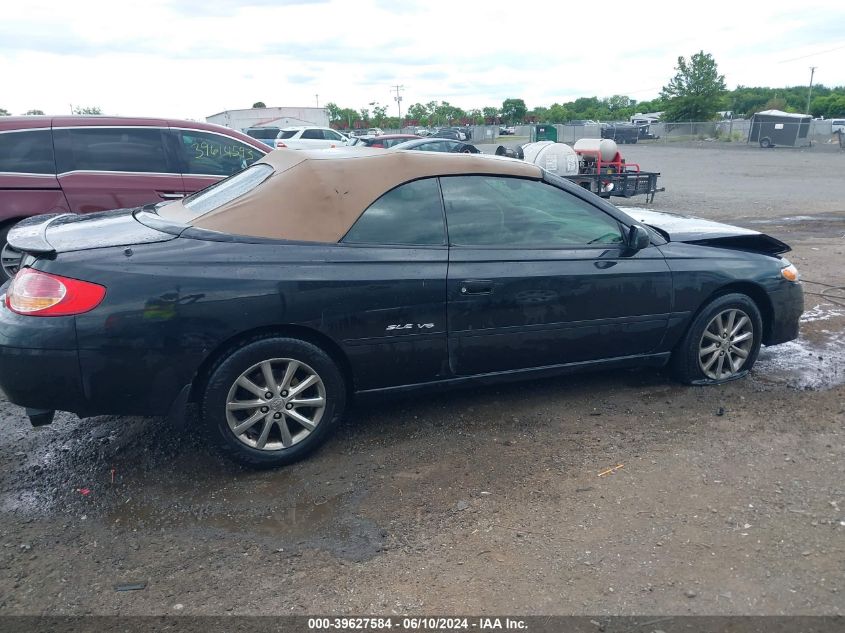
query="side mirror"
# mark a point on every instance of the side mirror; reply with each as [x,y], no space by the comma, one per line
[638,238]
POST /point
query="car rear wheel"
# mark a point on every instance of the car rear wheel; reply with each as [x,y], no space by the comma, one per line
[722,343]
[9,259]
[273,401]
[766,142]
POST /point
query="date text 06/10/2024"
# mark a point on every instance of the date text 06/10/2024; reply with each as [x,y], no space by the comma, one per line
[416,624]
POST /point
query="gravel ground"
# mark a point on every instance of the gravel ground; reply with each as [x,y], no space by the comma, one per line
[725,500]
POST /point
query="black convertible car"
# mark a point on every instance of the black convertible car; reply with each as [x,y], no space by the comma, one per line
[274,296]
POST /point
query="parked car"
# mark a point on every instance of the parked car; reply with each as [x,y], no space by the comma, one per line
[429,271]
[264,134]
[309,137]
[837,126]
[433,144]
[384,141]
[620,132]
[81,164]
[504,131]
[422,131]
[450,133]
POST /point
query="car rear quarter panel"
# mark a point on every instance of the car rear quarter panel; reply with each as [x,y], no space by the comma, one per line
[170,306]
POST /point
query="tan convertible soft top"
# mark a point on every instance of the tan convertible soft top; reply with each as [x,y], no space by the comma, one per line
[317,195]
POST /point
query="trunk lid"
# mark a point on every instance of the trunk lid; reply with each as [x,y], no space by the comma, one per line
[48,235]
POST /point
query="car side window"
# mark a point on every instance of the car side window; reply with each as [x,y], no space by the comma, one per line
[434,146]
[410,214]
[498,211]
[27,152]
[332,135]
[127,149]
[215,154]
[313,134]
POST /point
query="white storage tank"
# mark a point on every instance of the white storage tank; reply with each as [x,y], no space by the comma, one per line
[557,158]
[607,147]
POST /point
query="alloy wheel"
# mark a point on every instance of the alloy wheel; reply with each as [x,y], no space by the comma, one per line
[726,344]
[275,404]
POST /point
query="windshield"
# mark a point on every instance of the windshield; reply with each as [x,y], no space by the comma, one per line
[223,192]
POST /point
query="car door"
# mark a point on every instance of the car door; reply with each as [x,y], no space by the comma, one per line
[28,183]
[390,307]
[539,276]
[334,139]
[205,157]
[313,138]
[114,166]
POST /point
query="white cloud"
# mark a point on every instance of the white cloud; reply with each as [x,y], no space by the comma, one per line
[191,58]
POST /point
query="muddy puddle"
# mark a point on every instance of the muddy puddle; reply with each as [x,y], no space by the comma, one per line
[816,360]
[259,508]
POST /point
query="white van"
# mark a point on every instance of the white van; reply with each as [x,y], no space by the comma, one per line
[837,125]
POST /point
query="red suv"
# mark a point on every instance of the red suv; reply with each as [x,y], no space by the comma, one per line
[94,163]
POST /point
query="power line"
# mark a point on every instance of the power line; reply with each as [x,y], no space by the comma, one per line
[830,50]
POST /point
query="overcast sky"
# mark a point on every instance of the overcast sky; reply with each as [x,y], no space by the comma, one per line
[192,58]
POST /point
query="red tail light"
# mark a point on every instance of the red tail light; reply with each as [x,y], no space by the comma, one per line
[41,294]
[279,145]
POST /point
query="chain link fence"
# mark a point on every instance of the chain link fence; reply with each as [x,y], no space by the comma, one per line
[727,131]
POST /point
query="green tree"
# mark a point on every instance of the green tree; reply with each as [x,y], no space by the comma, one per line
[419,113]
[776,103]
[34,112]
[365,115]
[695,92]
[379,113]
[259,104]
[4,112]
[490,114]
[559,113]
[334,112]
[829,106]
[87,110]
[514,110]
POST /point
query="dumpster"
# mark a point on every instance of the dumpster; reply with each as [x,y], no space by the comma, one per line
[544,133]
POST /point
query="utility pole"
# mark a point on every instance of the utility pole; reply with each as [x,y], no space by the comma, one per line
[810,91]
[317,97]
[398,100]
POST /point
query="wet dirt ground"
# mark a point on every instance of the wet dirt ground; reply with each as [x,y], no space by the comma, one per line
[723,500]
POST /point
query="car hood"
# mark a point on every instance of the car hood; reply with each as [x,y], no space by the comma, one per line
[67,232]
[682,228]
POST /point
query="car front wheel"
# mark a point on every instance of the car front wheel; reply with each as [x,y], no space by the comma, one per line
[273,401]
[722,343]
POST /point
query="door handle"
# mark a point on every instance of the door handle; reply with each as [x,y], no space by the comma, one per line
[603,264]
[476,287]
[170,195]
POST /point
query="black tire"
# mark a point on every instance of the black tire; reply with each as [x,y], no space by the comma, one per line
[685,364]
[230,368]
[766,142]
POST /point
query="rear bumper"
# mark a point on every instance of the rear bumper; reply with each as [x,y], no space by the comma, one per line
[787,308]
[42,378]
[39,364]
[41,368]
